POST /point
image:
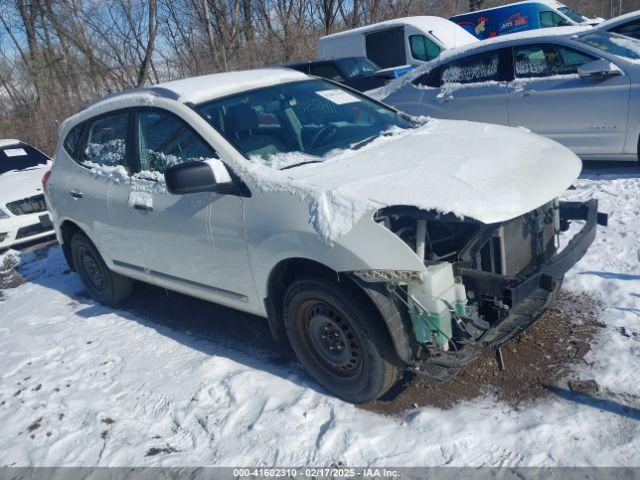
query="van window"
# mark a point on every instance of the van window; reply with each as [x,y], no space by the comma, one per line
[552,19]
[386,47]
[423,48]
[547,60]
[483,67]
[165,140]
[107,138]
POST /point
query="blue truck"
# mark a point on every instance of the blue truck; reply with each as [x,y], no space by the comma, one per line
[520,16]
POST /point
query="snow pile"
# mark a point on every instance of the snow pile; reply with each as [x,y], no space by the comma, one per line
[8,262]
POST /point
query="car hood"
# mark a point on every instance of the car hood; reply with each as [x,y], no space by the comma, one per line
[21,184]
[486,172]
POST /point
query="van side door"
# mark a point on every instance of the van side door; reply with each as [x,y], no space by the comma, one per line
[386,48]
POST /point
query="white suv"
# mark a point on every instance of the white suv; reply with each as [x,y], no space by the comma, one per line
[373,242]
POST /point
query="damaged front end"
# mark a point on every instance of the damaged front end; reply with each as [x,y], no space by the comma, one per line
[482,284]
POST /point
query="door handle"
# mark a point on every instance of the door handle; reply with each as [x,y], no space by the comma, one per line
[76,195]
[521,92]
[445,98]
[143,208]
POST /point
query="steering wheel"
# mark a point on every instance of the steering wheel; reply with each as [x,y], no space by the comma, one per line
[325,133]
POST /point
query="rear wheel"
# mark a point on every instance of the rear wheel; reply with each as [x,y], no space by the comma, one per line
[104,286]
[340,340]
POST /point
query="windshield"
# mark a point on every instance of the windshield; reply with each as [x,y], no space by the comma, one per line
[575,16]
[356,67]
[612,43]
[305,118]
[20,157]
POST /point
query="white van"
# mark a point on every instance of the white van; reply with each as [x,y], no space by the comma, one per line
[394,43]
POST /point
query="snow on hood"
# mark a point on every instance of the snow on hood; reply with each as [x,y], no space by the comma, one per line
[19,184]
[486,172]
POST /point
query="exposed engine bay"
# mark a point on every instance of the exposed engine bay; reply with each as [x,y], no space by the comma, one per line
[482,284]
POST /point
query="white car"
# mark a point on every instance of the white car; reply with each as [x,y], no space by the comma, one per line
[372,243]
[23,212]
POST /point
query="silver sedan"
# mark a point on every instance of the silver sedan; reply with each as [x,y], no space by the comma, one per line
[577,86]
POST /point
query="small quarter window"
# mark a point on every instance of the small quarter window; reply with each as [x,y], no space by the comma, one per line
[72,141]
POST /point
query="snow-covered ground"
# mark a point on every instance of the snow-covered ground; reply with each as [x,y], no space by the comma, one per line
[170,381]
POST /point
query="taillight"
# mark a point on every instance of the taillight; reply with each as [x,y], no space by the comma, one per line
[45,179]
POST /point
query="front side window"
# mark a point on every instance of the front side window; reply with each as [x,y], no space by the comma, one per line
[423,48]
[314,117]
[325,70]
[165,140]
[552,19]
[20,157]
[474,69]
[547,60]
[613,43]
[631,29]
[106,142]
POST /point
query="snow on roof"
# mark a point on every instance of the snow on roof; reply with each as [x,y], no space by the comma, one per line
[207,87]
[451,34]
[615,21]
[8,141]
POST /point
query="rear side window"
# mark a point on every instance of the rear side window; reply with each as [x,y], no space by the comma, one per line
[107,140]
[547,60]
[325,70]
[631,29]
[552,19]
[423,48]
[72,141]
[165,140]
[386,48]
[483,67]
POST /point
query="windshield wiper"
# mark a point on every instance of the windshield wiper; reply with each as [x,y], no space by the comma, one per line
[301,163]
[366,141]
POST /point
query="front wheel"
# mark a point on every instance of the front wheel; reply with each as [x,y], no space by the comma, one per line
[104,286]
[340,340]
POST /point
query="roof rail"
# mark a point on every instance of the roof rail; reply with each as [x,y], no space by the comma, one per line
[155,91]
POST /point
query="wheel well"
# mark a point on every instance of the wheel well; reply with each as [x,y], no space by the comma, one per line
[68,229]
[288,270]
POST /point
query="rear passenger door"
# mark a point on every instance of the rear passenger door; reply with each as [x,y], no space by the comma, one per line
[100,188]
[588,115]
[193,243]
[470,88]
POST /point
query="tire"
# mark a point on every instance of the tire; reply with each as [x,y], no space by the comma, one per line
[340,340]
[104,286]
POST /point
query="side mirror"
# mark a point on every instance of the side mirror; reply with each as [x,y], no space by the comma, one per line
[193,177]
[599,69]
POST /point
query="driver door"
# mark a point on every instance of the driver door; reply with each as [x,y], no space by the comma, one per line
[193,243]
